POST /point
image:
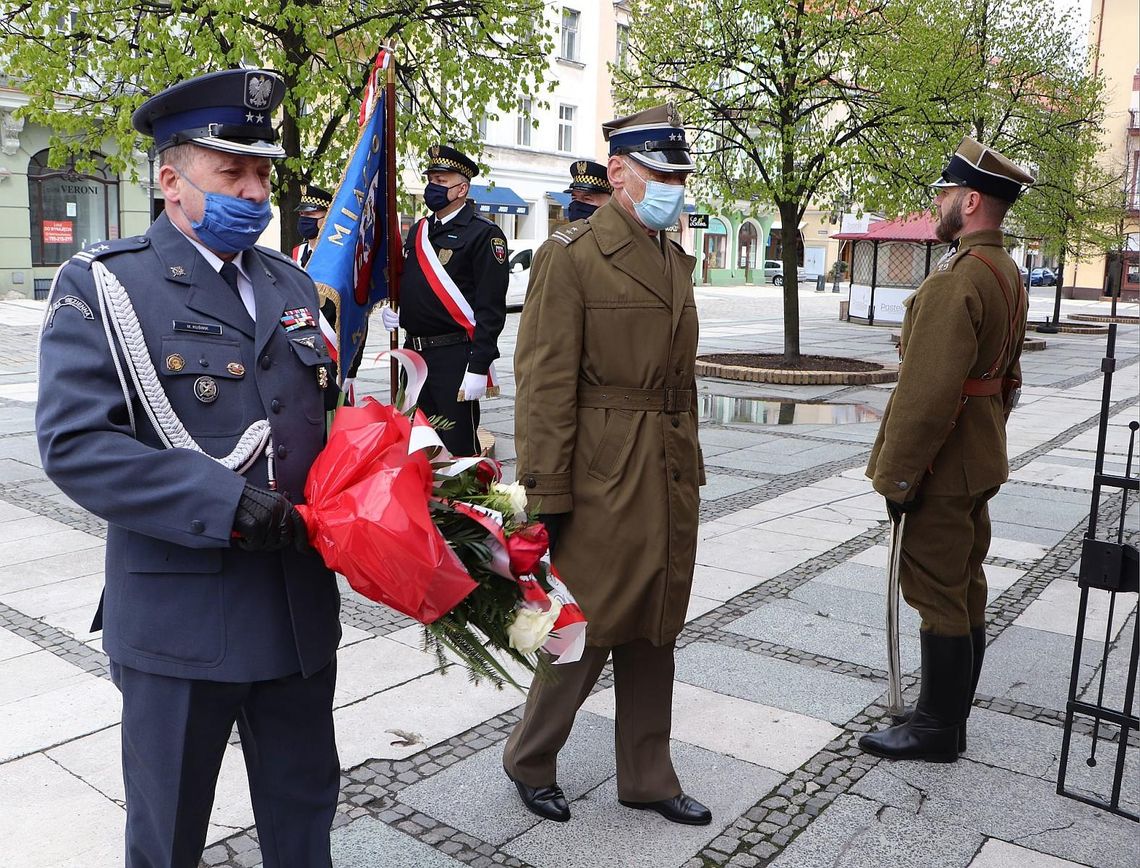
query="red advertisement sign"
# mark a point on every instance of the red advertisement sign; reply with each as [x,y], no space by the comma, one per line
[58,232]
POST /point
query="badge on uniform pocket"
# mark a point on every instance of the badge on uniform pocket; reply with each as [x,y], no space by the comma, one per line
[499,248]
[444,256]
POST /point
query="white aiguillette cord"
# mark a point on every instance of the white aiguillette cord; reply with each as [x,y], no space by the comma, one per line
[118,312]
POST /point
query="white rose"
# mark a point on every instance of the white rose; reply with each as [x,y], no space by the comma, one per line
[532,626]
[516,495]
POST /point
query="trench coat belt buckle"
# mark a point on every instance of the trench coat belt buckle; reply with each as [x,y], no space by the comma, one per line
[419,344]
[669,399]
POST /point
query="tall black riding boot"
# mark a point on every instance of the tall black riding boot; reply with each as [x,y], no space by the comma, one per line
[978,641]
[931,734]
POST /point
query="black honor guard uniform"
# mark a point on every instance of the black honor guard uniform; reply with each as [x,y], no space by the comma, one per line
[453,297]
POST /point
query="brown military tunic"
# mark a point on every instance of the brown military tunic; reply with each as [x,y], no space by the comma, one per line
[932,446]
[609,326]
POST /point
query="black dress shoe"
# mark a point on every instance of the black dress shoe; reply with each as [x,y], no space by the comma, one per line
[547,802]
[679,809]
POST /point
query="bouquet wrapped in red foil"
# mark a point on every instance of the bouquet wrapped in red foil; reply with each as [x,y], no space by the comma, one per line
[367,514]
[441,540]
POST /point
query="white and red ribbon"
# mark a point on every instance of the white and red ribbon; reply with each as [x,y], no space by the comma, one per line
[449,295]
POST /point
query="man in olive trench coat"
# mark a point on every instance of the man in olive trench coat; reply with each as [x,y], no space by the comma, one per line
[606,435]
[941,451]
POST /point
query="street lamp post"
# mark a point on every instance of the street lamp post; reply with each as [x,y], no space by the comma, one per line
[841,205]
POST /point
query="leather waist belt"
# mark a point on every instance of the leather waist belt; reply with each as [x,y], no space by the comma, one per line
[976,387]
[426,343]
[667,400]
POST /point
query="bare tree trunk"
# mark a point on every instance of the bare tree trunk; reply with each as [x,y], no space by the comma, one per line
[287,182]
[790,235]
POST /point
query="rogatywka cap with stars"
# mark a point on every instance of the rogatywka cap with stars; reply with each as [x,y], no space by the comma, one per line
[230,111]
[654,138]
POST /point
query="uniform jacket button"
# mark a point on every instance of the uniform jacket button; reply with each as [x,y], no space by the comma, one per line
[282,451]
[197,526]
[675,422]
[676,475]
[530,482]
[275,406]
[903,486]
[266,363]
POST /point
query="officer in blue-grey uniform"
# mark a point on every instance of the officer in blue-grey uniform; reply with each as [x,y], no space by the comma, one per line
[183,390]
[453,298]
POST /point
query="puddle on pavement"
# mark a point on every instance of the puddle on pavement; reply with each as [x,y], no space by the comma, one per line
[729,410]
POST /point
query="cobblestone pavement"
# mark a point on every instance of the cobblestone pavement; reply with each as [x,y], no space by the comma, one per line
[780,669]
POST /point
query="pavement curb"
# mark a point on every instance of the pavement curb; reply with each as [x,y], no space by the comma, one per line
[796,378]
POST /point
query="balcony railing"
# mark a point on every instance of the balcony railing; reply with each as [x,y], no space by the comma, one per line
[1133,120]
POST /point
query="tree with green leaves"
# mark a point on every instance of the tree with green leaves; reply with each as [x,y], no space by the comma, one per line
[777,94]
[87,64]
[798,103]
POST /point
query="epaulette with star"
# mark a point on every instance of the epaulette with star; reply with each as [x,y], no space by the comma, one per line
[104,249]
[567,235]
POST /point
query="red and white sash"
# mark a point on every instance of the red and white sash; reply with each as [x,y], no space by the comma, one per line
[453,301]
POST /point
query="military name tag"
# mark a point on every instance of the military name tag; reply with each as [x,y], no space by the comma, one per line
[197,328]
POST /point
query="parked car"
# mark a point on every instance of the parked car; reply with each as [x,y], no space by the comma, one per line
[1042,277]
[774,273]
[519,256]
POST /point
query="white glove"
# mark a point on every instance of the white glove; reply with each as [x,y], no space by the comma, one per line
[473,387]
[390,318]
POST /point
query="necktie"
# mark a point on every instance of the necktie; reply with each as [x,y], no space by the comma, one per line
[229,273]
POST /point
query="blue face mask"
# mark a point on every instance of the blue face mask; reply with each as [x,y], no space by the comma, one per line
[661,205]
[435,196]
[579,210]
[229,224]
[308,228]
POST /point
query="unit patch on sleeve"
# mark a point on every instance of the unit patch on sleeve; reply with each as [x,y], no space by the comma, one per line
[499,248]
[68,301]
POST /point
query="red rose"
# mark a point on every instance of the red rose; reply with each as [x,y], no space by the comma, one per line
[526,546]
[488,472]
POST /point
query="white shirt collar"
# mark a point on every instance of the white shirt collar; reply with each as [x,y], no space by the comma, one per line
[211,257]
[449,217]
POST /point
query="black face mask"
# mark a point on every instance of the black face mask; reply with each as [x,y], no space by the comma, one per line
[436,196]
[579,210]
[307,227]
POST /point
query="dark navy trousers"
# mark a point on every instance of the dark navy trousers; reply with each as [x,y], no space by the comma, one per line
[175,731]
[446,366]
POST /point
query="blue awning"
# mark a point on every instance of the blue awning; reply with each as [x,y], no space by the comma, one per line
[498,200]
[558,198]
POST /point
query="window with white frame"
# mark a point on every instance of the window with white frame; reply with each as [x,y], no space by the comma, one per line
[570,20]
[621,52]
[566,128]
[482,126]
[522,137]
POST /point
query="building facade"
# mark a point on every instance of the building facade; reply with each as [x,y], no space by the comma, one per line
[1113,29]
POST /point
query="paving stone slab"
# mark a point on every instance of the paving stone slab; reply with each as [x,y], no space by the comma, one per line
[12,645]
[718,485]
[775,738]
[791,623]
[44,720]
[857,833]
[475,795]
[1037,535]
[370,843]
[51,819]
[603,832]
[865,608]
[996,853]
[1002,804]
[1056,608]
[1033,666]
[808,690]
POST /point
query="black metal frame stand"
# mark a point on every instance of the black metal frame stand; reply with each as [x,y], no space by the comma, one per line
[1110,565]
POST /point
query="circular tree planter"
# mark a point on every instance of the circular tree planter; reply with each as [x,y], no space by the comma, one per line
[810,370]
[1124,319]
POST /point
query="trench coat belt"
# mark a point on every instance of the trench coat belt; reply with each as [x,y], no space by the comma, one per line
[976,387]
[667,400]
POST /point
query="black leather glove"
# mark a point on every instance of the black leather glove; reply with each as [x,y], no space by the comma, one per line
[265,521]
[552,521]
[898,510]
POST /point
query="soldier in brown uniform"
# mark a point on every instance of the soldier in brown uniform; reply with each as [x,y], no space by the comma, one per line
[606,435]
[941,451]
